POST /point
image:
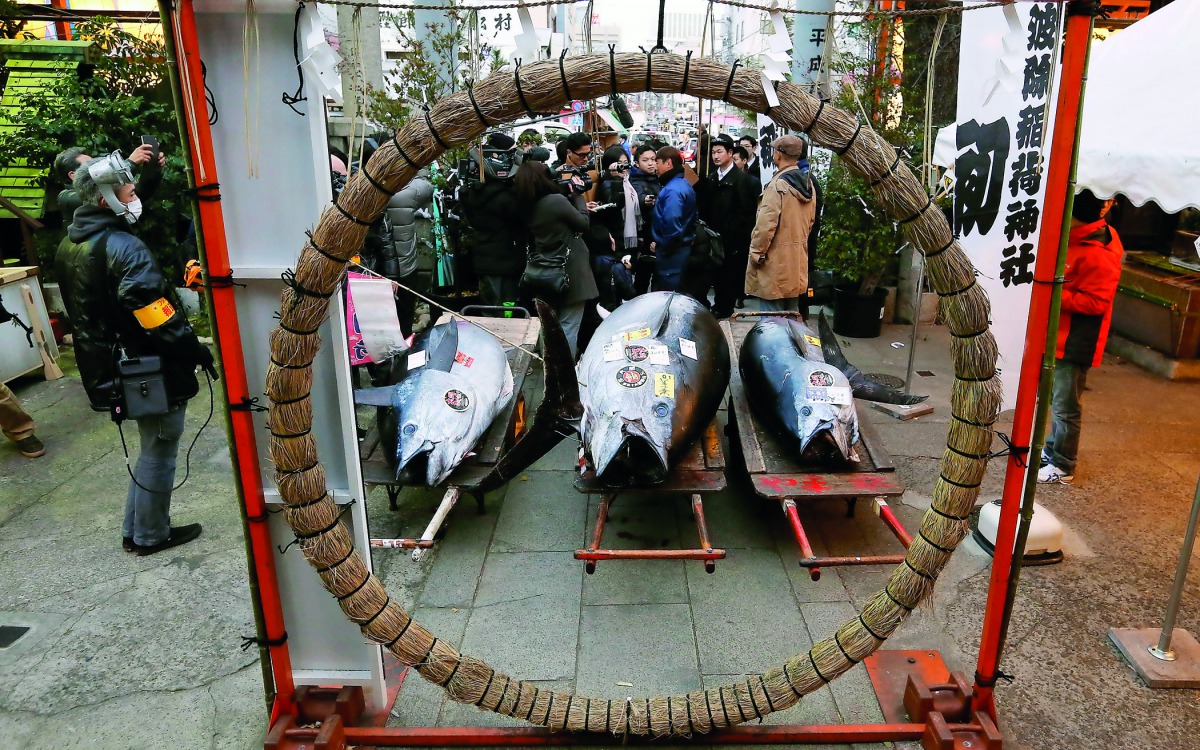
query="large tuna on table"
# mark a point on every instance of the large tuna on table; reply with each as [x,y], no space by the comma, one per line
[648,384]
[803,389]
[457,380]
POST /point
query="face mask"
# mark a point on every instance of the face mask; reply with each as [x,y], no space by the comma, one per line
[133,210]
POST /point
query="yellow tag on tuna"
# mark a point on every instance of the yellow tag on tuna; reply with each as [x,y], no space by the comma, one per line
[812,340]
[664,385]
[155,314]
[641,333]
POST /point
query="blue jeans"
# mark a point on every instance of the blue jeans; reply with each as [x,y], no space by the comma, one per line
[148,511]
[1066,415]
[758,304]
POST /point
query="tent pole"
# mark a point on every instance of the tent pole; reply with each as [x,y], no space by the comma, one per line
[1041,333]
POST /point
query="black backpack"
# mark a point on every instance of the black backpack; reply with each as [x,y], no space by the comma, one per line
[708,250]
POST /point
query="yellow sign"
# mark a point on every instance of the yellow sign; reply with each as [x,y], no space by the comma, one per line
[812,340]
[664,384]
[641,333]
[155,314]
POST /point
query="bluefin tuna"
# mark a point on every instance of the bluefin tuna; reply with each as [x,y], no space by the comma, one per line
[457,379]
[803,389]
[648,384]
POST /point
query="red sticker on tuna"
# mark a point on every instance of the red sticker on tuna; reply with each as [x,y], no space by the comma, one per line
[463,359]
[636,352]
[820,378]
[457,400]
[631,377]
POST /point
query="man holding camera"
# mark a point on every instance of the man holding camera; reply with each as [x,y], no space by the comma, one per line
[123,309]
[147,156]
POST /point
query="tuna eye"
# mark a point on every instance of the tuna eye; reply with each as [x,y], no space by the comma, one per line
[660,410]
[410,428]
[806,411]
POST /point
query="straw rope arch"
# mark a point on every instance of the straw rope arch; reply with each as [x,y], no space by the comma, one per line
[459,119]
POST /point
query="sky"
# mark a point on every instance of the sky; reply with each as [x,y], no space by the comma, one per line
[638,19]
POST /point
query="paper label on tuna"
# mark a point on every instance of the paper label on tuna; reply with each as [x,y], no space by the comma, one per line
[812,339]
[687,348]
[827,395]
[658,354]
[464,360]
[416,359]
[640,333]
[612,351]
[664,385]
[632,377]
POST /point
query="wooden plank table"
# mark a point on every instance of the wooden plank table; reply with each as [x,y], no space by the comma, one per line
[375,469]
[701,472]
[777,473]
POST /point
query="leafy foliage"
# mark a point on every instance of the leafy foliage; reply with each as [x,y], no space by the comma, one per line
[858,241]
[108,108]
[11,23]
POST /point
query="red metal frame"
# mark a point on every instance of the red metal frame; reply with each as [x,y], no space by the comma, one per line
[595,553]
[814,562]
[1078,31]
[228,336]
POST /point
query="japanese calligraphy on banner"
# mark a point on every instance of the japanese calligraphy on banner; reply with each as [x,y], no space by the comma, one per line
[809,41]
[1001,149]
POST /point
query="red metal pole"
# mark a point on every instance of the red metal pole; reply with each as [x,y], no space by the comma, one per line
[229,341]
[1074,59]
[534,737]
[889,519]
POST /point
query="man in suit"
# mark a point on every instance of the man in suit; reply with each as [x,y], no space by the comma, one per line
[753,164]
[729,199]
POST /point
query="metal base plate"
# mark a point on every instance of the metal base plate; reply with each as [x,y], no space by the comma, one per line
[1184,672]
[889,671]
[903,411]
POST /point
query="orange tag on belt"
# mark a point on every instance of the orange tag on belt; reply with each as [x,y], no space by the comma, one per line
[155,314]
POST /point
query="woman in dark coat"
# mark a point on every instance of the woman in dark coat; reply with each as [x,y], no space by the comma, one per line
[644,178]
[556,223]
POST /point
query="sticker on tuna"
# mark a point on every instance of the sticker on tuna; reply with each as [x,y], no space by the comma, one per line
[416,359]
[687,348]
[820,378]
[658,354]
[631,377]
[457,400]
[636,352]
[612,351]
[464,360]
[812,339]
[641,333]
[664,385]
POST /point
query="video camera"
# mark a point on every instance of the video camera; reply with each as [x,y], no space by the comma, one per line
[567,175]
[503,164]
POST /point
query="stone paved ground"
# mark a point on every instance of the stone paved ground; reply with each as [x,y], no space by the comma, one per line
[136,653]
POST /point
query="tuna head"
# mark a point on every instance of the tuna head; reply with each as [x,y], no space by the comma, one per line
[826,422]
[432,415]
[626,426]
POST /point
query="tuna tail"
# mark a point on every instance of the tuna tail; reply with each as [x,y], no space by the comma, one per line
[556,417]
[862,388]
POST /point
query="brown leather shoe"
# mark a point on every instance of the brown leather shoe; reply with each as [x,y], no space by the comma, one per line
[31,447]
[179,535]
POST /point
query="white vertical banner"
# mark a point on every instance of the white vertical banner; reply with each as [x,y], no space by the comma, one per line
[809,40]
[1001,151]
[768,131]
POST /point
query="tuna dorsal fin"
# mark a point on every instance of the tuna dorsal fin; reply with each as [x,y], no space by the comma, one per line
[659,327]
[862,388]
[442,346]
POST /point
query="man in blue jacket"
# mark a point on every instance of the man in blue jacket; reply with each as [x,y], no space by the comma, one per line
[673,224]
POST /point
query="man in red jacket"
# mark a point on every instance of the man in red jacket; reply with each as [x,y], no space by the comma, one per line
[1093,269]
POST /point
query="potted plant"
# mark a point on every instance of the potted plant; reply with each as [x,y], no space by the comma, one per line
[858,245]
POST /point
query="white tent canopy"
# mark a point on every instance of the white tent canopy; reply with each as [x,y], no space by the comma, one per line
[1141,115]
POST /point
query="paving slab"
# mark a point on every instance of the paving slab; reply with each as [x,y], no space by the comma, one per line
[460,554]
[648,645]
[639,523]
[542,513]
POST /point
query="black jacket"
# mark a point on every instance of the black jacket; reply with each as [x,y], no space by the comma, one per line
[497,235]
[645,184]
[730,205]
[122,299]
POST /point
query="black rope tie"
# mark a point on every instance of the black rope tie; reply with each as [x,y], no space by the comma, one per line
[297,331]
[520,93]
[475,106]
[842,151]
[887,590]
[958,484]
[400,150]
[532,701]
[923,209]
[248,641]
[196,192]
[549,705]
[424,661]
[648,66]
[649,726]
[301,470]
[813,662]
[972,335]
[788,676]
[931,543]
[453,672]
[289,278]
[972,456]
[842,648]
[322,251]
[567,715]
[222,282]
[587,715]
[867,627]
[503,693]
[433,131]
[982,681]
[918,571]
[941,249]
[612,67]
[248,404]
[946,515]
[286,435]
[1018,452]
[964,420]
[670,717]
[488,687]
[687,66]
[403,630]
[372,618]
[355,590]
[306,504]
[888,173]
[738,702]
[724,708]
[374,182]
[816,117]
[304,366]
[762,681]
[562,74]
[753,702]
[328,568]
[983,379]
[285,402]
[729,83]
[959,291]
[708,707]
[350,216]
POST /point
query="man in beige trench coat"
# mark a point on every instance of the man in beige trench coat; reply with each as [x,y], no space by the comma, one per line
[777,273]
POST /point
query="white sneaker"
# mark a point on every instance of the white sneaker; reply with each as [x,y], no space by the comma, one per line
[1051,474]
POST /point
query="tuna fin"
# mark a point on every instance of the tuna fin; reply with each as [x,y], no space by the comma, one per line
[659,327]
[556,417]
[442,346]
[374,396]
[862,388]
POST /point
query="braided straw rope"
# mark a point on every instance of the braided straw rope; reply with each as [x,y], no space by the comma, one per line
[461,118]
